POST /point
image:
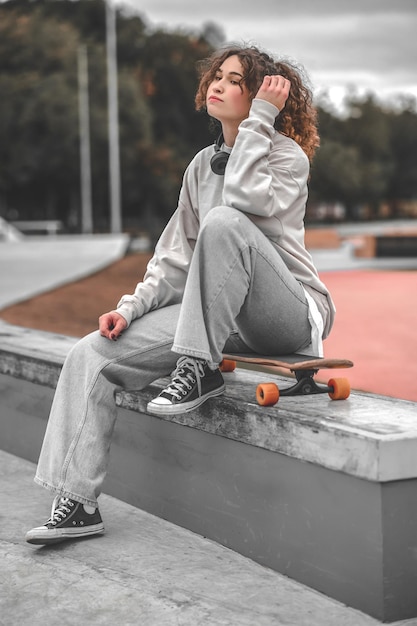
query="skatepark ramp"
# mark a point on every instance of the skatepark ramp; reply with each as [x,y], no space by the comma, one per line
[321,491]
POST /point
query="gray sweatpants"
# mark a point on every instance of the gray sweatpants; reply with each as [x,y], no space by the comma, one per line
[239,296]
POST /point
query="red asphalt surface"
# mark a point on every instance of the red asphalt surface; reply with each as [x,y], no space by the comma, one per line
[376,328]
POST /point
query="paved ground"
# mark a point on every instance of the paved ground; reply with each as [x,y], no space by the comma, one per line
[376,327]
[143,571]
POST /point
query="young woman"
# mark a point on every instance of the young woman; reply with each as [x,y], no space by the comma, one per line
[230,272]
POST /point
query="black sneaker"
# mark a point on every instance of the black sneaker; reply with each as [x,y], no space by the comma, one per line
[193,382]
[69,520]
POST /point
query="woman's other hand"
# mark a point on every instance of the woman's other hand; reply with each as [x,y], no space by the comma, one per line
[111,325]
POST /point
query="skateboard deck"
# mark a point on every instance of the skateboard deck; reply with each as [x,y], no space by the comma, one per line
[303,366]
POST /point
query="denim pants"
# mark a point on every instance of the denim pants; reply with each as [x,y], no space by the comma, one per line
[239,296]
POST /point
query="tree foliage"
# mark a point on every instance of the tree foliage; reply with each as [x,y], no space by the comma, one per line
[39,126]
[368,157]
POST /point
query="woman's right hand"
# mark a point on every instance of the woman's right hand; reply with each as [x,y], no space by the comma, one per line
[274,89]
[111,325]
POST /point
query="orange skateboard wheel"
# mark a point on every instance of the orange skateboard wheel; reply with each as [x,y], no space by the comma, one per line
[341,388]
[267,394]
[227,365]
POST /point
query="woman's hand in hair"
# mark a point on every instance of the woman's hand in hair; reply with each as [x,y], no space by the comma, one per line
[274,89]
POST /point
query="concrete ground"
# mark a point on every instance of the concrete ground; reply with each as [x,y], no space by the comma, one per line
[142,571]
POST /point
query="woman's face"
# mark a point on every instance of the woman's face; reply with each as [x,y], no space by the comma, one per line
[227,97]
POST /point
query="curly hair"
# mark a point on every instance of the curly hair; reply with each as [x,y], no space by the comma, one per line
[298,119]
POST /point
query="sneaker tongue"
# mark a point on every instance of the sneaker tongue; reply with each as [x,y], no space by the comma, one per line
[168,395]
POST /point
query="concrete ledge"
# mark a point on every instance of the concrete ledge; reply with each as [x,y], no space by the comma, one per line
[322,238]
[395,244]
[321,491]
[367,436]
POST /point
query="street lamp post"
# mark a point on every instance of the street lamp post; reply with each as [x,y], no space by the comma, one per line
[85,158]
[113,117]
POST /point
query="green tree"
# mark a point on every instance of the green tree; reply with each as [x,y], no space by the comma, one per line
[403,127]
[39,143]
[368,129]
[168,69]
[367,157]
[337,174]
[38,123]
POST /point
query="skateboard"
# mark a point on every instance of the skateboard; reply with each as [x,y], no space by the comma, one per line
[302,366]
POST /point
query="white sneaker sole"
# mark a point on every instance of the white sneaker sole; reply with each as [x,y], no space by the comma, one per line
[43,536]
[175,409]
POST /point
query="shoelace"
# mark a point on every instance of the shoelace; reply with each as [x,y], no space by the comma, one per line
[60,508]
[188,371]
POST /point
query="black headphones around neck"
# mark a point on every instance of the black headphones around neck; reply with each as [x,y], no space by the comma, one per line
[219,159]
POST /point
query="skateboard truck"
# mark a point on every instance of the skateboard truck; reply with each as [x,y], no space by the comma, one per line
[268,394]
[305,385]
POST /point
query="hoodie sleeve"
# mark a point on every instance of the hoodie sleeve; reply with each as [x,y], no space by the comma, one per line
[166,273]
[267,172]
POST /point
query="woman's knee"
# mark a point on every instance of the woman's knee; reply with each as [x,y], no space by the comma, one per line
[92,346]
[222,220]
[87,341]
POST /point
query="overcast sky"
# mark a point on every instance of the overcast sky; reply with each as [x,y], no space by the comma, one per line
[343,44]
